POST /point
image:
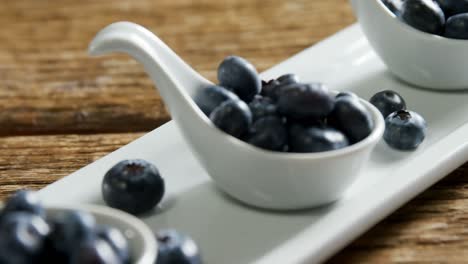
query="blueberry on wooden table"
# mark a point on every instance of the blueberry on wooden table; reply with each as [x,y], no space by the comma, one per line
[387,102]
[268,133]
[24,201]
[453,7]
[22,237]
[404,130]
[233,117]
[425,15]
[174,247]
[315,139]
[211,97]
[457,27]
[240,76]
[134,186]
[262,107]
[351,117]
[305,100]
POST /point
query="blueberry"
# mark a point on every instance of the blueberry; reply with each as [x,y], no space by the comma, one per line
[305,101]
[24,201]
[233,117]
[174,247]
[315,139]
[134,186]
[116,240]
[425,15]
[394,5]
[352,118]
[241,76]
[343,94]
[404,130]
[388,102]
[262,106]
[457,27]
[287,79]
[270,89]
[453,7]
[95,251]
[71,228]
[268,133]
[22,237]
[211,97]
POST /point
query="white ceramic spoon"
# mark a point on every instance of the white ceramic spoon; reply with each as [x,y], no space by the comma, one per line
[257,177]
[414,56]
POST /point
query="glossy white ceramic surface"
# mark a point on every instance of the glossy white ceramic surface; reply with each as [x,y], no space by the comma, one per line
[231,233]
[265,179]
[416,57]
[143,246]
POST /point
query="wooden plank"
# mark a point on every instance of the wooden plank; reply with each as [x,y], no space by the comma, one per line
[430,229]
[48,84]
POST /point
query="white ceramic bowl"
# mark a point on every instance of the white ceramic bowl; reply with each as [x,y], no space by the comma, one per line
[143,246]
[414,56]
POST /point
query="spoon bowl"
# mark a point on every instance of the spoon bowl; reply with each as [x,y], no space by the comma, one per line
[419,58]
[261,178]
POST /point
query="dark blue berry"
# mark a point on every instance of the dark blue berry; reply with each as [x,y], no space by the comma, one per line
[270,89]
[116,240]
[262,106]
[287,79]
[71,228]
[394,5]
[343,94]
[404,130]
[268,133]
[315,139]
[134,186]
[388,102]
[24,201]
[305,101]
[22,237]
[233,117]
[211,97]
[94,251]
[425,15]
[352,118]
[174,247]
[240,76]
[457,27]
[453,7]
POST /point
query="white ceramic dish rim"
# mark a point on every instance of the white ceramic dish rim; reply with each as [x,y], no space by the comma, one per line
[422,34]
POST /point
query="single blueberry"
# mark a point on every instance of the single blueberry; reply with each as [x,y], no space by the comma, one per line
[270,89]
[22,237]
[342,94]
[174,247]
[71,228]
[94,251]
[134,186]
[457,27]
[453,7]
[287,79]
[268,133]
[425,15]
[262,106]
[315,139]
[116,240]
[394,6]
[233,117]
[352,118]
[305,101]
[404,130]
[24,201]
[387,102]
[211,97]
[241,76]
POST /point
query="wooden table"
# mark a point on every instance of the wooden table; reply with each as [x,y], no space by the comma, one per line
[60,109]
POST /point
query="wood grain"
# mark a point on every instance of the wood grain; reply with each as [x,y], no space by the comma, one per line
[49,85]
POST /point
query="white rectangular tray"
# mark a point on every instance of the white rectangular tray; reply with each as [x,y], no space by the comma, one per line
[228,232]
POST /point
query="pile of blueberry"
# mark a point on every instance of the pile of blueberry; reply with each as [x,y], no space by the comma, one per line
[136,187]
[28,236]
[448,18]
[404,130]
[282,114]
